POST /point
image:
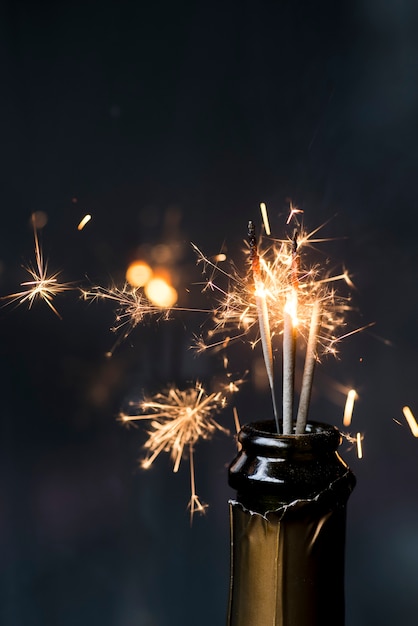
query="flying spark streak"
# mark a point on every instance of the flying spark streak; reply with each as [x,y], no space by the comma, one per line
[344,276]
[353,332]
[412,423]
[349,406]
[293,211]
[359,439]
[265,218]
[178,420]
[236,419]
[84,221]
[43,286]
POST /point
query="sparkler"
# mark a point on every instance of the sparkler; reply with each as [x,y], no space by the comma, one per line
[178,419]
[133,307]
[43,286]
[288,301]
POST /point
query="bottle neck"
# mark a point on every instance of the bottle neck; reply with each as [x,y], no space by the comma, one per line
[273,470]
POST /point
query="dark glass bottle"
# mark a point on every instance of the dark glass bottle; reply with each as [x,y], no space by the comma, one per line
[288,527]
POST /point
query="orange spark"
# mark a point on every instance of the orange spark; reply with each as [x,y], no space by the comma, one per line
[84,221]
[359,445]
[349,406]
[265,217]
[412,423]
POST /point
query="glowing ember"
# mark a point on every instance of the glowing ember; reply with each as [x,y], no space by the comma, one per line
[412,423]
[349,406]
[291,307]
[84,221]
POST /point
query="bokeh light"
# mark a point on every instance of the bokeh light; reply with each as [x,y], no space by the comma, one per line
[138,274]
[160,292]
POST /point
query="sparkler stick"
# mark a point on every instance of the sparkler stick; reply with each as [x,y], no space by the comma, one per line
[289,343]
[263,317]
[308,371]
[289,347]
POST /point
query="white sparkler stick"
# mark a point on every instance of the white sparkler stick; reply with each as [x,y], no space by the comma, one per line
[263,317]
[289,343]
[308,370]
[289,349]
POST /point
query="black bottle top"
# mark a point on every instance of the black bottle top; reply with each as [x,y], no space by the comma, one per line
[273,470]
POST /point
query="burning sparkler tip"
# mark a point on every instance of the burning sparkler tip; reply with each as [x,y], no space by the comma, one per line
[295,239]
[251,229]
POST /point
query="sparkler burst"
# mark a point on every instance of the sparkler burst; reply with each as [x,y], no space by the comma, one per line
[178,420]
[43,286]
[235,314]
[132,308]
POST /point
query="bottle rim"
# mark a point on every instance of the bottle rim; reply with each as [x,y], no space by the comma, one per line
[264,436]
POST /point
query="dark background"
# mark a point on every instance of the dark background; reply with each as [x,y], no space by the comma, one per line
[161,118]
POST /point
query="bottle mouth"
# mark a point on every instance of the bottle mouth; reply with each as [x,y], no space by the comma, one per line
[317,436]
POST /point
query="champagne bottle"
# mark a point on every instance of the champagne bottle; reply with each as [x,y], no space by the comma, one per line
[288,527]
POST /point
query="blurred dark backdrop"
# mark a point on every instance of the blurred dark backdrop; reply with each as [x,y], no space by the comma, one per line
[152,114]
